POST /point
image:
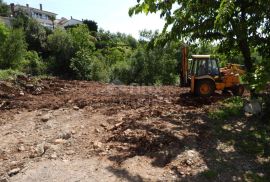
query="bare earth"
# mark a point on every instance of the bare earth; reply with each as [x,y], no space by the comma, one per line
[56,130]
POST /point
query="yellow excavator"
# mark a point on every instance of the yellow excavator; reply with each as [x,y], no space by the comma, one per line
[204,76]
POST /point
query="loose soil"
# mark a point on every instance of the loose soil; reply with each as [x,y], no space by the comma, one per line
[59,130]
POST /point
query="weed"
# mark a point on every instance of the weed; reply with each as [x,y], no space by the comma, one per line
[253,177]
[9,74]
[229,108]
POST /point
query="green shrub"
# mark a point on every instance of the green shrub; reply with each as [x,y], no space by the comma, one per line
[210,174]
[87,66]
[4,32]
[12,50]
[61,51]
[121,71]
[33,64]
[81,38]
[9,74]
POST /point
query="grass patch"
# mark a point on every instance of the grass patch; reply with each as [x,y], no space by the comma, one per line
[210,174]
[253,177]
[229,108]
[9,74]
[255,142]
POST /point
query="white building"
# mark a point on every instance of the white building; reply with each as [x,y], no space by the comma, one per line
[6,20]
[43,17]
[63,22]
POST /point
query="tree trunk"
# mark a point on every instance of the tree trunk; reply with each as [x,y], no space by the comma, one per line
[244,48]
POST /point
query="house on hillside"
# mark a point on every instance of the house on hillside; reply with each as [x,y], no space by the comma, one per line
[63,22]
[43,17]
[6,20]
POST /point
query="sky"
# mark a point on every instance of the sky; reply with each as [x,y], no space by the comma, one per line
[110,15]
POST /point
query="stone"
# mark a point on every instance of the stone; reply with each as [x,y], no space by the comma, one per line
[65,135]
[53,156]
[253,107]
[70,152]
[127,132]
[97,130]
[21,148]
[40,149]
[29,86]
[59,141]
[103,125]
[21,93]
[4,179]
[46,118]
[76,108]
[189,162]
[97,145]
[14,171]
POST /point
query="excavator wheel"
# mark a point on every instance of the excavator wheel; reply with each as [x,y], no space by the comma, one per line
[204,88]
[238,90]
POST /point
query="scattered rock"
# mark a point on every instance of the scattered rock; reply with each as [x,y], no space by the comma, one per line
[253,107]
[59,141]
[21,148]
[104,126]
[40,149]
[4,179]
[189,162]
[14,172]
[46,118]
[21,93]
[97,145]
[70,152]
[116,125]
[53,156]
[127,132]
[29,86]
[65,135]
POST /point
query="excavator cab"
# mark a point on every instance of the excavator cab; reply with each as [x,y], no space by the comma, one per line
[204,73]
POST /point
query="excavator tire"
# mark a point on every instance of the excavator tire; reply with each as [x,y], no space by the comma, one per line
[204,88]
[238,90]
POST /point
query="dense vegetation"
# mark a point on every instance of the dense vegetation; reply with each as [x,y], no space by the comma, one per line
[239,27]
[91,53]
[86,52]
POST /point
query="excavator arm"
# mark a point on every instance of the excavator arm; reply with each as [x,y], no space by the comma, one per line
[184,68]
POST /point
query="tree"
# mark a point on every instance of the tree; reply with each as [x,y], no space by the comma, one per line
[12,51]
[52,18]
[87,66]
[61,49]
[236,24]
[92,25]
[4,9]
[81,37]
[36,36]
[20,20]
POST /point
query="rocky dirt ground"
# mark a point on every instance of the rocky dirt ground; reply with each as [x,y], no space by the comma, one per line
[58,130]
